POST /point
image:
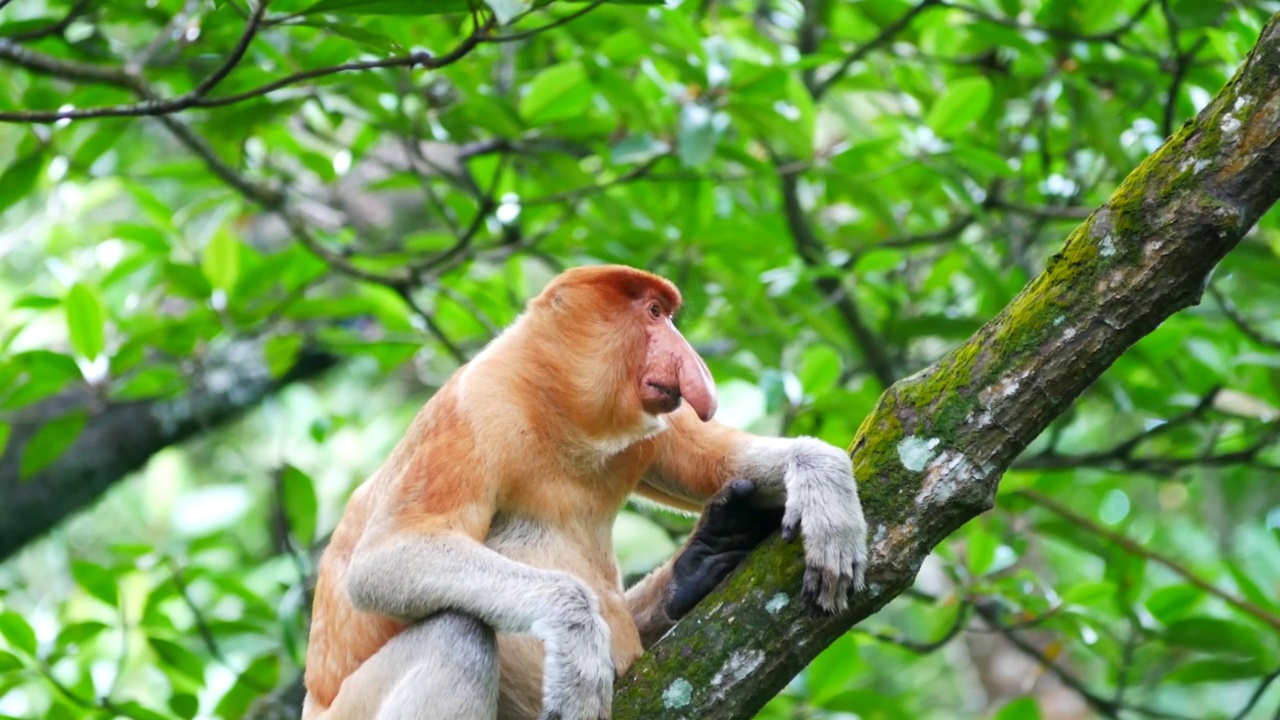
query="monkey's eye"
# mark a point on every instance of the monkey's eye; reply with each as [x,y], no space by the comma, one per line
[655,310]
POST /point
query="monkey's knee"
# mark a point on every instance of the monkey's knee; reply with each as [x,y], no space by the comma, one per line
[451,671]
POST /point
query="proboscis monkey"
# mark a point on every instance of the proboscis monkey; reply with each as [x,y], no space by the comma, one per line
[473,576]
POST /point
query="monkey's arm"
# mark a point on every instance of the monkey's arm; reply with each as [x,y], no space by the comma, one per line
[810,479]
[730,527]
[413,569]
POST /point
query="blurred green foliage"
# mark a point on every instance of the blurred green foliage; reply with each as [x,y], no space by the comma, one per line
[940,152]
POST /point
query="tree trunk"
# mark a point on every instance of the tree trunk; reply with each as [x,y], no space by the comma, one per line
[930,456]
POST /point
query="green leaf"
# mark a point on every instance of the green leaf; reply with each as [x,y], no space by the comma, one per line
[1172,603]
[17,632]
[36,302]
[298,496]
[9,661]
[963,102]
[19,178]
[178,658]
[1248,587]
[981,545]
[149,237]
[1215,635]
[50,441]
[221,261]
[5,429]
[86,321]
[558,92]
[1216,670]
[1090,593]
[1024,708]
[96,580]
[133,709]
[819,368]
[282,353]
[262,672]
[80,632]
[389,7]
[184,705]
[829,673]
[154,382]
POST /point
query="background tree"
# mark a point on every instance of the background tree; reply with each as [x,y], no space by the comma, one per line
[206,203]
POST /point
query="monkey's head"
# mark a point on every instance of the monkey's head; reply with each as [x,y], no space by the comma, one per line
[619,320]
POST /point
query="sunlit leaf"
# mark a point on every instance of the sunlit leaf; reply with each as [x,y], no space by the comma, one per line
[96,580]
[86,320]
[558,92]
[963,102]
[221,261]
[17,632]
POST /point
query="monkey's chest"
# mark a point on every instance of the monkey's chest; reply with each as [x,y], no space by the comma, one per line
[586,553]
[583,550]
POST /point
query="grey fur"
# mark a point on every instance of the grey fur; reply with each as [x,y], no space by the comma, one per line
[416,578]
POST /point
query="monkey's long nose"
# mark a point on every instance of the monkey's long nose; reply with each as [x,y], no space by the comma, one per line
[697,386]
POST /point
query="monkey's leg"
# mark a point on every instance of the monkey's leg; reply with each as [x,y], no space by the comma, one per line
[443,667]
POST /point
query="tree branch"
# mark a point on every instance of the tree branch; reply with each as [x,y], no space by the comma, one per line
[930,455]
[195,98]
[120,438]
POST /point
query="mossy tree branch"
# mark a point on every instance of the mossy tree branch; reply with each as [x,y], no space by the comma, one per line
[930,456]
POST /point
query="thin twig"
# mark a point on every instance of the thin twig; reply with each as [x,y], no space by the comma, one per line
[38,62]
[884,36]
[990,612]
[526,34]
[54,28]
[1258,692]
[1241,322]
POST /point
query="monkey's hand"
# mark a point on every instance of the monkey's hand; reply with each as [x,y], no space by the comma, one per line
[578,674]
[731,526]
[822,507]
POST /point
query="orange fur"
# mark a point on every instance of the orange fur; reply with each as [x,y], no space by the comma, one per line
[547,425]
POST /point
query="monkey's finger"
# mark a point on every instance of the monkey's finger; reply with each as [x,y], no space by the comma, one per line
[739,489]
[857,582]
[825,590]
[790,530]
[730,508]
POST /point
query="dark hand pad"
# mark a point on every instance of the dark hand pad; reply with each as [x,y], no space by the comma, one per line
[730,527]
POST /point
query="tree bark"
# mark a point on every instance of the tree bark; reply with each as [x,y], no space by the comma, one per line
[119,438]
[930,456]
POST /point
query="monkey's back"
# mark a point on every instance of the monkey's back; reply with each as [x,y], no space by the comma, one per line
[342,637]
